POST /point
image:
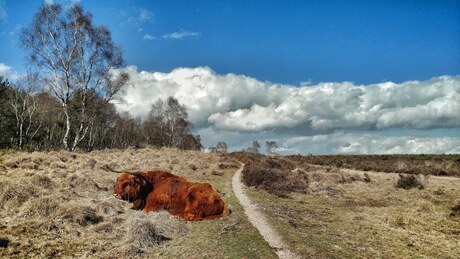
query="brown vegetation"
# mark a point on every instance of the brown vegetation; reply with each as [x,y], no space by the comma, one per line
[411,181]
[442,165]
[274,175]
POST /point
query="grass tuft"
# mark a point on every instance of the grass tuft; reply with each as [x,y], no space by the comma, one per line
[143,233]
[42,207]
[82,215]
[14,194]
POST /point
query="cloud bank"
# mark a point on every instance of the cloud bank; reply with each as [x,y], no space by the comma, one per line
[371,144]
[237,103]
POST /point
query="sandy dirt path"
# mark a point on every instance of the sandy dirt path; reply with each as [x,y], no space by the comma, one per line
[258,219]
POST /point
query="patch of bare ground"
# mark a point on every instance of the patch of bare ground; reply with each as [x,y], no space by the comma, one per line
[353,213]
[60,204]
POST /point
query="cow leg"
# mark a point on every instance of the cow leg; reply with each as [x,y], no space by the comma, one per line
[156,202]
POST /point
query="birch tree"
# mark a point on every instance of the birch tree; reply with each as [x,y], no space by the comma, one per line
[221,147]
[255,148]
[74,56]
[23,104]
[271,146]
[167,124]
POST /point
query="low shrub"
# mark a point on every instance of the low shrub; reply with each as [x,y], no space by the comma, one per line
[42,181]
[409,182]
[4,242]
[455,211]
[223,166]
[144,234]
[348,179]
[218,173]
[273,177]
[367,178]
[338,161]
[192,167]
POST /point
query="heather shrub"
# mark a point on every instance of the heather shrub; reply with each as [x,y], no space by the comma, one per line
[410,181]
[272,176]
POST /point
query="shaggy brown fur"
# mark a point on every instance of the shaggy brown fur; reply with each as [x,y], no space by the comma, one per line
[158,190]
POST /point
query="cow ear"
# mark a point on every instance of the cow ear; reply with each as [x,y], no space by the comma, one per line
[137,179]
[190,197]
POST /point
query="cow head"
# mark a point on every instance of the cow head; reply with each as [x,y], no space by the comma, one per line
[203,202]
[133,188]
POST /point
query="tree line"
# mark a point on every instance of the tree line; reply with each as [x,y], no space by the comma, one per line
[66,98]
[35,120]
[270,145]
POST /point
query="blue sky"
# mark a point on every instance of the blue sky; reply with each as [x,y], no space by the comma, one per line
[279,41]
[292,45]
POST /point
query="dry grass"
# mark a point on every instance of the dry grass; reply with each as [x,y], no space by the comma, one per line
[346,214]
[60,204]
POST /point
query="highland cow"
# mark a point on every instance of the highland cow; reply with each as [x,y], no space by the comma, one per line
[158,190]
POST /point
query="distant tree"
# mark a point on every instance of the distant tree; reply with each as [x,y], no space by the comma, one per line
[100,126]
[167,125]
[127,131]
[271,146]
[221,147]
[74,58]
[51,119]
[7,120]
[255,148]
[23,104]
[192,142]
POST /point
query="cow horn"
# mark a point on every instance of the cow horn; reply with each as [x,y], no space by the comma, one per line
[110,169]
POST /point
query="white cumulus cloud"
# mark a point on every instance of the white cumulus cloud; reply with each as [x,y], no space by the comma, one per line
[241,103]
[203,92]
[239,109]
[372,144]
[8,73]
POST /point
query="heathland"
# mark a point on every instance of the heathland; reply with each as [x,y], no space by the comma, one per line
[61,203]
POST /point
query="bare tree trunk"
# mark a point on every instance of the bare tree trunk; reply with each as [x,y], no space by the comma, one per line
[20,134]
[67,129]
